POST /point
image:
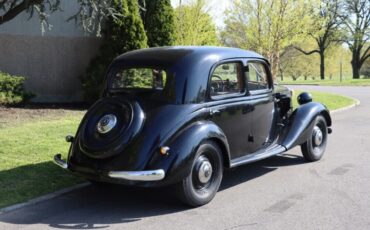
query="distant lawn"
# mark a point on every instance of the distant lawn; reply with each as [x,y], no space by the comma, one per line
[334,82]
[29,138]
[332,101]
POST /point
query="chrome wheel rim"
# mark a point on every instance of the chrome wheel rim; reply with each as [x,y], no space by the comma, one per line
[205,172]
[317,136]
[106,123]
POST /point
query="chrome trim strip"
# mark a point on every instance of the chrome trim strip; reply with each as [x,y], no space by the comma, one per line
[61,163]
[149,175]
[257,156]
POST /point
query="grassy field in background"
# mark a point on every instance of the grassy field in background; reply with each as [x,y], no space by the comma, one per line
[29,138]
[328,82]
[332,101]
[28,143]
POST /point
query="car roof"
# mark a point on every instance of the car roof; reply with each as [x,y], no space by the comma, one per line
[173,54]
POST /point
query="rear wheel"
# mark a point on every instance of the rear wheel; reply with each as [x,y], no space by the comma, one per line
[204,180]
[313,149]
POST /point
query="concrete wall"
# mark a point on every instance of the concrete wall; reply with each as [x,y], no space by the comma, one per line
[52,63]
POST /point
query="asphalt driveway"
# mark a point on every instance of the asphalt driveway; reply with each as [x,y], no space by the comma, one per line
[282,192]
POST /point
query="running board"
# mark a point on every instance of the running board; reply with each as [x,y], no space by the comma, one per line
[257,156]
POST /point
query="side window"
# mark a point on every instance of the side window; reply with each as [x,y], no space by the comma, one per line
[227,79]
[257,76]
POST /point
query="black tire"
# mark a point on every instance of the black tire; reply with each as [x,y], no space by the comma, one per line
[313,150]
[191,190]
[99,184]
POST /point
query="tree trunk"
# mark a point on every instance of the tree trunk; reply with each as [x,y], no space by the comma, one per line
[356,66]
[322,65]
[355,71]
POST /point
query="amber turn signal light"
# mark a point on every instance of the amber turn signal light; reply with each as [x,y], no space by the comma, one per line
[164,150]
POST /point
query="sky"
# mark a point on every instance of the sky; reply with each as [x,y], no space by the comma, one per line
[216,9]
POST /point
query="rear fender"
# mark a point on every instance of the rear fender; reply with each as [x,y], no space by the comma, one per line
[302,122]
[184,146]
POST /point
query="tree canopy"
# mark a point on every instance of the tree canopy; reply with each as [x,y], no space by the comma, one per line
[266,26]
[356,25]
[121,35]
[90,14]
[158,18]
[194,26]
[323,29]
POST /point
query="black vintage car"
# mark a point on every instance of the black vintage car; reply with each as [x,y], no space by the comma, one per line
[179,115]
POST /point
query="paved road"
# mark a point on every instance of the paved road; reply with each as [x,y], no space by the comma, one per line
[282,192]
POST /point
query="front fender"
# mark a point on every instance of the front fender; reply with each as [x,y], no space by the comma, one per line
[302,122]
[183,148]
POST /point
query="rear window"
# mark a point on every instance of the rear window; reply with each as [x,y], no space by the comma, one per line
[139,78]
[149,83]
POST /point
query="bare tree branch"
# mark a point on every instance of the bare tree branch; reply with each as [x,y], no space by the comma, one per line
[17,9]
[305,52]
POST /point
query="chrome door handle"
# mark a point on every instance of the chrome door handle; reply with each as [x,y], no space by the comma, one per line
[214,112]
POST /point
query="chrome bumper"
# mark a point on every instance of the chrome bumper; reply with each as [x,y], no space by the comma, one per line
[148,175]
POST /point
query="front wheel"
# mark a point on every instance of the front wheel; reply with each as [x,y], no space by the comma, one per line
[202,184]
[313,149]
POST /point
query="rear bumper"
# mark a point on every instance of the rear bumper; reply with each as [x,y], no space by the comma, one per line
[147,175]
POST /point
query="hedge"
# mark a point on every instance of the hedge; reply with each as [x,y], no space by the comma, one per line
[12,89]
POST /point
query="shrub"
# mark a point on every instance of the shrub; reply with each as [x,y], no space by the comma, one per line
[122,34]
[159,23]
[12,89]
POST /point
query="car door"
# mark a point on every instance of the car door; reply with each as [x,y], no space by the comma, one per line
[261,100]
[228,105]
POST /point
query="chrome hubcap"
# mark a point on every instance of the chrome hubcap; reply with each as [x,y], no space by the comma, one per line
[205,172]
[106,123]
[317,136]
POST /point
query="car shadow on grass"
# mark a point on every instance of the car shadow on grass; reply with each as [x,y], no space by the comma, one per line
[94,207]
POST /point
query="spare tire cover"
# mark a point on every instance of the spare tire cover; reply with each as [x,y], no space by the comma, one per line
[109,126]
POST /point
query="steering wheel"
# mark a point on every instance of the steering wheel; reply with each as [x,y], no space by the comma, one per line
[218,85]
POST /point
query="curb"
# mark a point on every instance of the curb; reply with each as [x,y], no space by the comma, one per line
[42,198]
[357,103]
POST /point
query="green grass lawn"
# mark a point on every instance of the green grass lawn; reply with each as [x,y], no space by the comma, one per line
[328,82]
[332,101]
[28,143]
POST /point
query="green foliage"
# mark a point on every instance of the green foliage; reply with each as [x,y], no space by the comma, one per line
[12,89]
[356,26]
[266,26]
[91,14]
[158,19]
[11,8]
[194,25]
[122,35]
[294,65]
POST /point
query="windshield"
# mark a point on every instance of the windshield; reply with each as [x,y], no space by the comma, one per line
[151,82]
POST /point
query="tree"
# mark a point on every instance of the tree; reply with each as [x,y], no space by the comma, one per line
[194,26]
[356,23]
[294,64]
[158,19]
[90,15]
[265,26]
[121,35]
[323,29]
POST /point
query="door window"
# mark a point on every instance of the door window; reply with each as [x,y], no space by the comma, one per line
[257,76]
[227,80]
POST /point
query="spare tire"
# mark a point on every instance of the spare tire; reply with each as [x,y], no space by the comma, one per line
[109,126]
